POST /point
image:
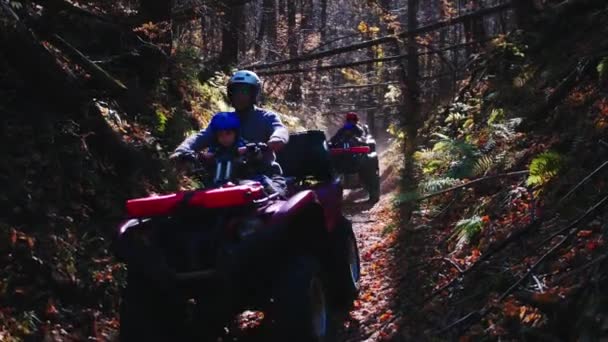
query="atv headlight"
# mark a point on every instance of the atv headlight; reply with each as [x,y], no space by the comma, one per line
[249,227]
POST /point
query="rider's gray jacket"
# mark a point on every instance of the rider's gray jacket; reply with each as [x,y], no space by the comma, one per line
[258,125]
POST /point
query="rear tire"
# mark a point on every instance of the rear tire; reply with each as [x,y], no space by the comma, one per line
[301,310]
[370,174]
[374,187]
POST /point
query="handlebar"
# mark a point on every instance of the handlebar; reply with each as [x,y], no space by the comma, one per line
[200,166]
[251,151]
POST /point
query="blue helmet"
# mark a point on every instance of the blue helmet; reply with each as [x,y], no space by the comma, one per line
[224,121]
[247,77]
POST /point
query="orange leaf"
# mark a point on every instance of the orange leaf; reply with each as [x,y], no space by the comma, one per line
[584,233]
[51,310]
[545,298]
[385,316]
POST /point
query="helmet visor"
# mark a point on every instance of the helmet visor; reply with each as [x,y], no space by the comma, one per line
[241,88]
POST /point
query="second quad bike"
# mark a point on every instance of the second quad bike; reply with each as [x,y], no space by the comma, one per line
[356,161]
[197,258]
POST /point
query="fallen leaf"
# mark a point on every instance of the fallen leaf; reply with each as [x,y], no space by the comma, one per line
[584,233]
[51,310]
[545,298]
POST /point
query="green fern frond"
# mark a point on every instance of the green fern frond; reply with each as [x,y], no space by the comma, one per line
[496,116]
[437,184]
[462,168]
[543,168]
[483,165]
[405,197]
[425,155]
[466,230]
[602,68]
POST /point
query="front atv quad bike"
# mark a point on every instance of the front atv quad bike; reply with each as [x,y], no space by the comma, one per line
[358,166]
[231,247]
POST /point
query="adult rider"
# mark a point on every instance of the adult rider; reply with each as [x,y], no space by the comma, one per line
[257,125]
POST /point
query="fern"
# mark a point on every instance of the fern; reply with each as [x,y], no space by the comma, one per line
[505,130]
[466,230]
[602,68]
[425,187]
[437,184]
[483,165]
[496,116]
[543,168]
[405,197]
[458,154]
[161,121]
[462,168]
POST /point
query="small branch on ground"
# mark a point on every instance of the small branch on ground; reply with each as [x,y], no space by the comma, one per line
[478,180]
[581,183]
[482,312]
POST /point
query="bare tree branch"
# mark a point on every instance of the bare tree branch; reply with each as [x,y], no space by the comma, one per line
[381,40]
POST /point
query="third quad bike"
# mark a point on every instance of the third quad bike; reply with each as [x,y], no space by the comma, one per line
[356,160]
[197,258]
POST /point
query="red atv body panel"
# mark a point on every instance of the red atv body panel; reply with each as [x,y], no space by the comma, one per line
[212,199]
[352,150]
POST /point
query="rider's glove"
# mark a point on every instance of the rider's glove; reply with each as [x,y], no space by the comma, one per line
[275,144]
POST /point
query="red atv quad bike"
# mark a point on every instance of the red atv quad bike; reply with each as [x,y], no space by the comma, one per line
[356,161]
[198,258]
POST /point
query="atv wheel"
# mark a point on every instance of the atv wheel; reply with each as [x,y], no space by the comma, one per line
[301,309]
[374,187]
[148,314]
[348,267]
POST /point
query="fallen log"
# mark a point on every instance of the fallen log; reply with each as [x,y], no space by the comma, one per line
[103,77]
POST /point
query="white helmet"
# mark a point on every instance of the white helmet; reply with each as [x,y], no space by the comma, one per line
[245,77]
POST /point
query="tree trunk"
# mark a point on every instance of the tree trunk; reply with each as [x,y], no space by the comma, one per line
[411,115]
[323,21]
[295,89]
[474,29]
[267,35]
[307,14]
[230,35]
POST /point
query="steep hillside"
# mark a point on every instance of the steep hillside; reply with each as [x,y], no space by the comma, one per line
[520,252]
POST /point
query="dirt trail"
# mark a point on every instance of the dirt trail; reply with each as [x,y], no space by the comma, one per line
[373,315]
